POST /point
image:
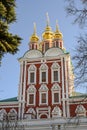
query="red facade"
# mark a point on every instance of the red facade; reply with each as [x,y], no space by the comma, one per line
[46,83]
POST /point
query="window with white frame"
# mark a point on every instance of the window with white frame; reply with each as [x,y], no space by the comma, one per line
[3,114]
[32,74]
[31,94]
[12,115]
[56,112]
[55,72]
[80,110]
[43,73]
[43,94]
[55,94]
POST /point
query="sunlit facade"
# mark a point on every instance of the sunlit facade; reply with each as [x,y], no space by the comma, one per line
[46,98]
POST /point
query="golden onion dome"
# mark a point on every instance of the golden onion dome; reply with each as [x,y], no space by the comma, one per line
[34,37]
[47,34]
[57,33]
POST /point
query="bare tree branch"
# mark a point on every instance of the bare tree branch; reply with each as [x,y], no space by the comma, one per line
[80,59]
[79,12]
[78,9]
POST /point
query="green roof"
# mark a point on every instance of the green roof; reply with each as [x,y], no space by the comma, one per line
[9,99]
[79,96]
[65,52]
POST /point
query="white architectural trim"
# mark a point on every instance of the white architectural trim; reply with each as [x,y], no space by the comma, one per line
[56,89]
[24,89]
[56,112]
[31,54]
[31,111]
[43,90]
[20,88]
[80,110]
[31,90]
[12,115]
[63,92]
[43,111]
[55,51]
[32,69]
[43,68]
[3,114]
[55,67]
[67,87]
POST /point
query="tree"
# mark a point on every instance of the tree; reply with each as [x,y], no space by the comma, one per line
[8,42]
[78,9]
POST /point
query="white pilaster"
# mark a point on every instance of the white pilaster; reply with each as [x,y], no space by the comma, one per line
[66,82]
[24,89]
[20,88]
[63,92]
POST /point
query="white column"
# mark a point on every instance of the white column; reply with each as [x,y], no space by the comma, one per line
[24,89]
[66,81]
[20,88]
[63,93]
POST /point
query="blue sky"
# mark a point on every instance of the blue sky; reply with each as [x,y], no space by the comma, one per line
[30,11]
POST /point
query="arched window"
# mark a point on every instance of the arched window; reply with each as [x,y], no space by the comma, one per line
[31,94]
[3,114]
[12,115]
[30,114]
[80,110]
[55,94]
[43,73]
[32,74]
[43,94]
[31,111]
[55,71]
[56,112]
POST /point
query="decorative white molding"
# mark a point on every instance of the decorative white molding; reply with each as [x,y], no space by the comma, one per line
[43,111]
[12,115]
[32,54]
[31,111]
[56,89]
[53,52]
[80,110]
[43,68]
[32,69]
[43,90]
[24,89]
[56,112]
[55,67]
[63,91]
[31,90]
[67,87]
[3,114]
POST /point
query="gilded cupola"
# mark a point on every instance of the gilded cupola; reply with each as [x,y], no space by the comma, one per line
[34,37]
[57,33]
[47,34]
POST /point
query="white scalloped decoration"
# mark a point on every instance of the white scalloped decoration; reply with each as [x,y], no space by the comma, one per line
[53,52]
[32,54]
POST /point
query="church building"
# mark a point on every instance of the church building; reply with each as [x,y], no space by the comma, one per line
[46,97]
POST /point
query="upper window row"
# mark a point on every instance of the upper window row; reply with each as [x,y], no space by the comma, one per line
[43,73]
